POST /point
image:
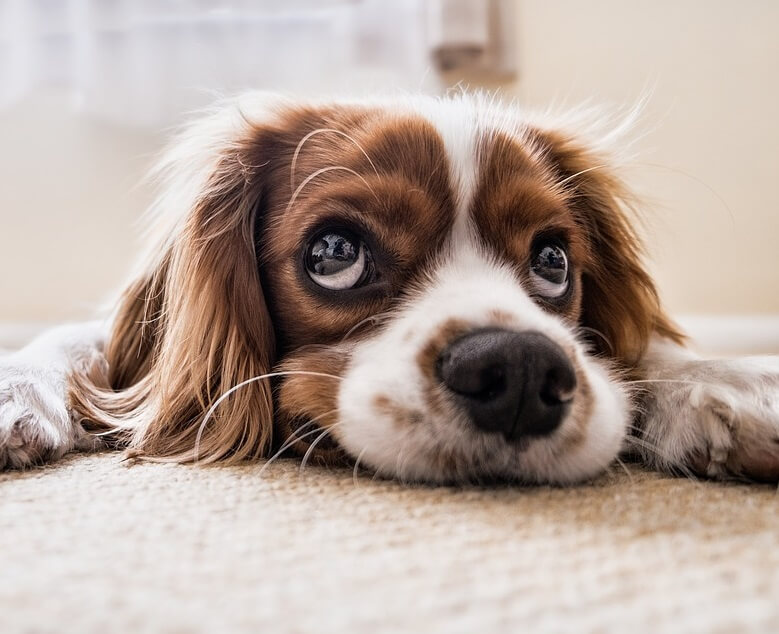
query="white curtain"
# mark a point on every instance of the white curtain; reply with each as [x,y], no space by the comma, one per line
[144,61]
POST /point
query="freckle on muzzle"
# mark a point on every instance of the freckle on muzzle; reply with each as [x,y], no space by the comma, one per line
[519,384]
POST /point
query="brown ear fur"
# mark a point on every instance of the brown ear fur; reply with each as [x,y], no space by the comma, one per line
[190,328]
[620,300]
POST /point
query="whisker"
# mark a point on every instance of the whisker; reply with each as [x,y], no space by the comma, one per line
[601,335]
[579,173]
[692,177]
[280,452]
[371,319]
[308,453]
[288,443]
[294,437]
[324,170]
[625,469]
[635,428]
[400,465]
[646,444]
[114,430]
[689,382]
[357,466]
[655,451]
[235,388]
[375,475]
[322,131]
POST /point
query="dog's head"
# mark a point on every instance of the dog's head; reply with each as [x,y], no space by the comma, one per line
[440,289]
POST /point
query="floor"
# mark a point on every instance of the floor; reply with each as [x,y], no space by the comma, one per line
[94,544]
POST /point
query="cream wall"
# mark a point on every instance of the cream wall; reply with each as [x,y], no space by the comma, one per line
[710,161]
[68,195]
[69,201]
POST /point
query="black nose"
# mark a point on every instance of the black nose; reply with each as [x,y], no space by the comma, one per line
[515,383]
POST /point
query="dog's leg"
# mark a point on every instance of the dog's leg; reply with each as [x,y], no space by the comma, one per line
[35,422]
[716,418]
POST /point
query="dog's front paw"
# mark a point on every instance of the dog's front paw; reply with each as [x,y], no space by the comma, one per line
[35,425]
[716,418]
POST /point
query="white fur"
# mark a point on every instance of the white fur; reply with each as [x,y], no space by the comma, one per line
[467,285]
[34,418]
[724,410]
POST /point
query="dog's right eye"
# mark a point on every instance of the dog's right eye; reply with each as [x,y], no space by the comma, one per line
[338,260]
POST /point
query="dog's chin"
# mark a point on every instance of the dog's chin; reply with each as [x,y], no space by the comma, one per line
[490,460]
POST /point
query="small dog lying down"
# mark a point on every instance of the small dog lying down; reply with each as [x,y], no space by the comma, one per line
[440,290]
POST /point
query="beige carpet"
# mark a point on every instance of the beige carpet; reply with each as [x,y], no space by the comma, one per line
[95,545]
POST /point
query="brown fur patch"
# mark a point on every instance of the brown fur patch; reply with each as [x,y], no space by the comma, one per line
[307,403]
[516,203]
[393,191]
[427,357]
[501,318]
[180,339]
[398,414]
[618,296]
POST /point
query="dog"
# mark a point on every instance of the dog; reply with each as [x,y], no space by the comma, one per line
[438,290]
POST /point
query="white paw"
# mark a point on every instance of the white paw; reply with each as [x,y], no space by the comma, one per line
[716,418]
[35,425]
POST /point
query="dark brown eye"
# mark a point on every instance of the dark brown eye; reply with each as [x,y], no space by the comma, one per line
[338,260]
[549,270]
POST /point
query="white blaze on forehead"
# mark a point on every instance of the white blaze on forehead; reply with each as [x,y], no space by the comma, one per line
[458,124]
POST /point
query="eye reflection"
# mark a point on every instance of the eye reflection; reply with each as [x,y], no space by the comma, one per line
[549,270]
[338,260]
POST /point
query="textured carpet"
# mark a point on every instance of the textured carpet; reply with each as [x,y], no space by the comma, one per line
[95,545]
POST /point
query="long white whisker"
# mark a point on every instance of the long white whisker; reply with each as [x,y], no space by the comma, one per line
[584,171]
[664,456]
[600,334]
[235,388]
[692,177]
[665,381]
[357,466]
[371,319]
[324,170]
[322,131]
[315,443]
[625,469]
[114,430]
[289,442]
[294,438]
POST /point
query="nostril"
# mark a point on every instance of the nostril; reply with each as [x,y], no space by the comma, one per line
[558,386]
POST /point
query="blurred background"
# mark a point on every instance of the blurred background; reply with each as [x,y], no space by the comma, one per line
[89,90]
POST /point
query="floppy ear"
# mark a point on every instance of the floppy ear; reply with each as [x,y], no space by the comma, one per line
[194,324]
[619,298]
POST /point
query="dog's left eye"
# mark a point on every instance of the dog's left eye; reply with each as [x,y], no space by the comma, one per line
[549,270]
[338,260]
